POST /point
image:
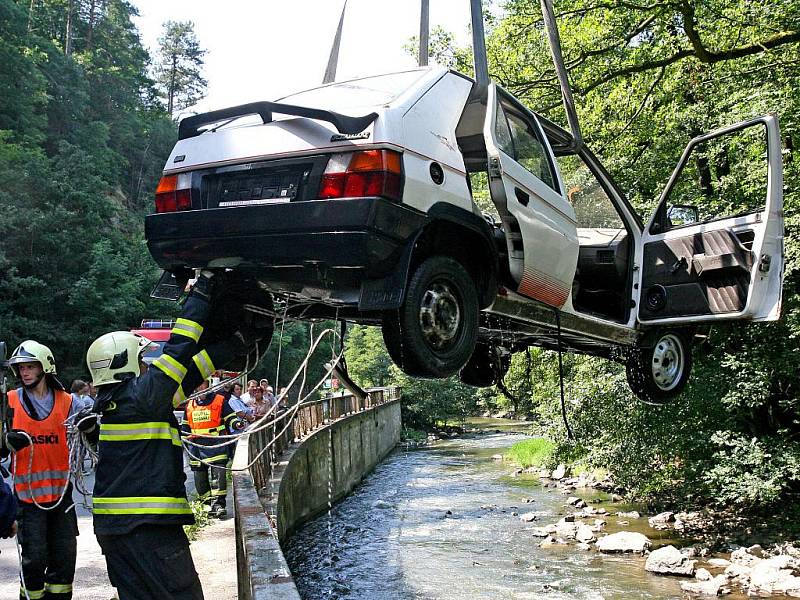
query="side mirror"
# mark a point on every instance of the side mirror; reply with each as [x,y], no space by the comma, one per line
[682,214]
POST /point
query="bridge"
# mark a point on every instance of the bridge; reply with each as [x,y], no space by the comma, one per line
[292,471]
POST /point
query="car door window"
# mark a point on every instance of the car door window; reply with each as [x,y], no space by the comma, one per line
[593,206]
[519,139]
[722,177]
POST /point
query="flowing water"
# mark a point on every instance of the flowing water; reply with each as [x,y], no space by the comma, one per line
[393,537]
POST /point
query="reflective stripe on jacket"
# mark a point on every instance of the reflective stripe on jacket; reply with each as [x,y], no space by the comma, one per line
[44,479]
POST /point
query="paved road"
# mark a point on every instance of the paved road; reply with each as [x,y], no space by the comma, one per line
[214,554]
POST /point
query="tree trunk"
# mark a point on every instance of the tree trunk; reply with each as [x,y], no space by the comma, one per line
[30,15]
[90,34]
[172,73]
[68,33]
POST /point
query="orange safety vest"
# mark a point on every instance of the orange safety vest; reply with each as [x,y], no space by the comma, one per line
[206,420]
[43,479]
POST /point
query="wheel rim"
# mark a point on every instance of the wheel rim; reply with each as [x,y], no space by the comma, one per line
[668,362]
[439,315]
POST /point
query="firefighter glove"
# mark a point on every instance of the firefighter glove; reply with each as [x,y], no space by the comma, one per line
[86,421]
[16,440]
[203,285]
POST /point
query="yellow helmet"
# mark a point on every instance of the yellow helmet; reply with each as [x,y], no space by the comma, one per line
[114,356]
[32,351]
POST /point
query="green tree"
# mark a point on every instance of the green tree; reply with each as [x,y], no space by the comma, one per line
[179,66]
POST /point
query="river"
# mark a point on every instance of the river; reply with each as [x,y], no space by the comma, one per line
[438,523]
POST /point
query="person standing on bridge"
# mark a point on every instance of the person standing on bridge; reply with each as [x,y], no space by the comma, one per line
[38,439]
[140,504]
[210,414]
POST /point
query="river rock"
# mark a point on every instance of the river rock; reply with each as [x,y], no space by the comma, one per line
[719,562]
[541,532]
[566,529]
[559,472]
[568,518]
[669,561]
[624,541]
[631,514]
[661,520]
[584,534]
[775,576]
[703,575]
[712,587]
[497,457]
[544,474]
[527,517]
[573,500]
[580,504]
[583,546]
[747,557]
[739,573]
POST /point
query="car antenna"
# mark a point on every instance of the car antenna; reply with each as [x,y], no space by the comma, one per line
[333,59]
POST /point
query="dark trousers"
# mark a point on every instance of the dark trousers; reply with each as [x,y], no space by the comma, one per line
[152,562]
[49,549]
[210,481]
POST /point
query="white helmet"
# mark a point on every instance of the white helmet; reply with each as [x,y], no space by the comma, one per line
[114,356]
[32,351]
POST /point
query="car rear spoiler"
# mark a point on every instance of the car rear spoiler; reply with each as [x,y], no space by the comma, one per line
[190,127]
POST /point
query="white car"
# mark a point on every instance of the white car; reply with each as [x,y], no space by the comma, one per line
[355,201]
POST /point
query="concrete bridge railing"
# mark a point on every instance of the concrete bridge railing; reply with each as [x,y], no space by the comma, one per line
[297,469]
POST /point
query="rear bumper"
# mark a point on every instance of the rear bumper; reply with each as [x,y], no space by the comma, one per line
[327,243]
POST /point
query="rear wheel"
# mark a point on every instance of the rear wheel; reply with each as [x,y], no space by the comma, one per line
[659,373]
[433,334]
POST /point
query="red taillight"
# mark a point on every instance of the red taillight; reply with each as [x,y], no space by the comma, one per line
[174,193]
[362,174]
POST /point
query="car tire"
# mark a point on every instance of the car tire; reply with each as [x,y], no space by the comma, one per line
[486,367]
[658,374]
[433,334]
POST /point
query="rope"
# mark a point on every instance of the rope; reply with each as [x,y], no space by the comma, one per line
[570,435]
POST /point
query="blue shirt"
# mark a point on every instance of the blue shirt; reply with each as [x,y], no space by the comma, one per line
[237,405]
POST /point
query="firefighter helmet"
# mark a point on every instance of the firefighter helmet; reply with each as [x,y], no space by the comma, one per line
[114,357]
[32,351]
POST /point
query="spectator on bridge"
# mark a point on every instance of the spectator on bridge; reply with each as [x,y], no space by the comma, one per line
[238,405]
[247,398]
[260,405]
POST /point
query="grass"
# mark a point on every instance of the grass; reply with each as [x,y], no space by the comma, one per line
[535,452]
[201,519]
[413,435]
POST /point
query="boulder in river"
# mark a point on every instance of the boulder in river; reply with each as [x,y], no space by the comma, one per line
[382,504]
[719,562]
[747,557]
[567,530]
[775,575]
[631,514]
[527,517]
[559,472]
[662,520]
[624,541]
[703,575]
[712,587]
[669,561]
[584,534]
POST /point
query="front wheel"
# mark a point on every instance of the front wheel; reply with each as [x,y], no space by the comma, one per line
[659,373]
[433,334]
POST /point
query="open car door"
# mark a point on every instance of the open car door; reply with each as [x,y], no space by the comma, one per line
[714,247]
[525,186]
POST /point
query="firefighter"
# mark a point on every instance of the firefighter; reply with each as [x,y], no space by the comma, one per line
[140,504]
[38,440]
[210,414]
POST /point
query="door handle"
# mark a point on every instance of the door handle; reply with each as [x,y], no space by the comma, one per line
[522,197]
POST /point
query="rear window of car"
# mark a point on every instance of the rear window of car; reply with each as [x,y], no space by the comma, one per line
[359,93]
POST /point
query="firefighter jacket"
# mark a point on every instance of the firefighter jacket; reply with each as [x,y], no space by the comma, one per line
[140,478]
[41,471]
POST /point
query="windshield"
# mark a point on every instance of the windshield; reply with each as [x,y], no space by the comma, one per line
[359,93]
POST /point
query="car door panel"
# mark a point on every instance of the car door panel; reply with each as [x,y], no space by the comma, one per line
[730,268]
[539,222]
